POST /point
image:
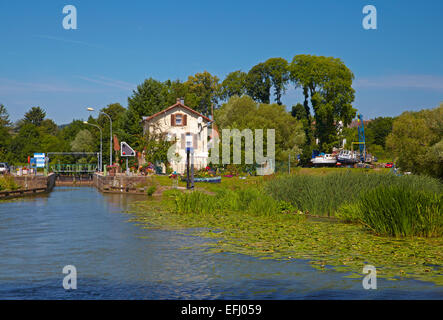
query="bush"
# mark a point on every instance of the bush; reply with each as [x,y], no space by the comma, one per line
[398,210]
[7,183]
[150,191]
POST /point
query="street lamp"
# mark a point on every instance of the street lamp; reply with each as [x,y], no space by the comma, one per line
[110,139]
[100,161]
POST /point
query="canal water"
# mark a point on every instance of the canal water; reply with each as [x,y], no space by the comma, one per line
[117,259]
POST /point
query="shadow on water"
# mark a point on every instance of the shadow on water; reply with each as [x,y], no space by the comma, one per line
[116,259]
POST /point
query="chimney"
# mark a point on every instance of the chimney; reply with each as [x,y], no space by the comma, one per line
[178,100]
[182,101]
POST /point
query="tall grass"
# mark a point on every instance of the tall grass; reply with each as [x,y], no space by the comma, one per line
[249,200]
[323,195]
[398,210]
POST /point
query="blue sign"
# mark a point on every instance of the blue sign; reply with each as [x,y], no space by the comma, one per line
[39,160]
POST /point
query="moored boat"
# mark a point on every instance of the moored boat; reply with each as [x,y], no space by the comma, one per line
[324,160]
[348,157]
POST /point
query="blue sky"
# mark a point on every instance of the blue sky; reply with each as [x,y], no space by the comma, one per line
[118,44]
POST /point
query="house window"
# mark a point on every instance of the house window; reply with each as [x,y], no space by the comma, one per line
[178,119]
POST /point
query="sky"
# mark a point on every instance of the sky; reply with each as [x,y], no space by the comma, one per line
[119,44]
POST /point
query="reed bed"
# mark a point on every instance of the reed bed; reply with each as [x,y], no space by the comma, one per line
[250,200]
[398,210]
[324,195]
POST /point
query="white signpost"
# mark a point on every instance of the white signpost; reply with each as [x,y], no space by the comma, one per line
[126,151]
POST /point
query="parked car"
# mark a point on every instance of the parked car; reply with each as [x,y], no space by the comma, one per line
[389,165]
[4,168]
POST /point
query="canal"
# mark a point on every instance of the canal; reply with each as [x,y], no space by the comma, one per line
[117,259]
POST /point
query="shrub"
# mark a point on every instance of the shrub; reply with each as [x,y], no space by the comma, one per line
[150,191]
[398,210]
[7,183]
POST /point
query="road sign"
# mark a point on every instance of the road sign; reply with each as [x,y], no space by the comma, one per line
[126,150]
[37,162]
[39,155]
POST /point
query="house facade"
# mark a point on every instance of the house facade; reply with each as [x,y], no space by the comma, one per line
[189,127]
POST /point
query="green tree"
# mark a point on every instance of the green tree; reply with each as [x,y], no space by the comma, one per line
[4,117]
[83,142]
[203,91]
[49,127]
[25,143]
[415,141]
[328,84]
[258,83]
[35,116]
[5,136]
[244,113]
[377,130]
[277,70]
[149,98]
[233,85]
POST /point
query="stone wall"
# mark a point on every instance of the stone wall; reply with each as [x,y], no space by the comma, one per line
[33,182]
[120,181]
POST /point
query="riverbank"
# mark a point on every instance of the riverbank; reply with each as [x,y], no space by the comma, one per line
[326,243]
[22,186]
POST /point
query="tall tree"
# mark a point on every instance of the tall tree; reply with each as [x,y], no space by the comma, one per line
[277,70]
[5,137]
[233,85]
[35,116]
[203,91]
[4,117]
[258,83]
[328,82]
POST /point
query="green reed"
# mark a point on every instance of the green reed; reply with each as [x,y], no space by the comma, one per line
[398,210]
[323,195]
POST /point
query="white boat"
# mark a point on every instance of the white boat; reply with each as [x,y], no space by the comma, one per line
[346,156]
[325,159]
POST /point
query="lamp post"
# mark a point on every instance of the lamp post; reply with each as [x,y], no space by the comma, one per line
[110,138]
[100,161]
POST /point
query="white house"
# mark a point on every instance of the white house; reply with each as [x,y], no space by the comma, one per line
[189,127]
